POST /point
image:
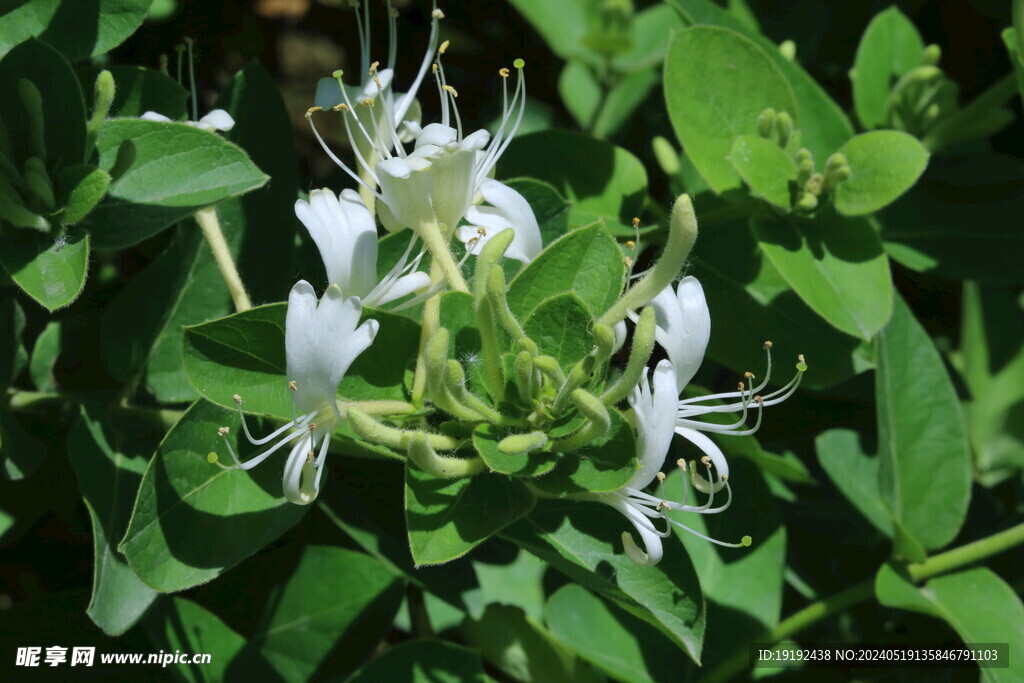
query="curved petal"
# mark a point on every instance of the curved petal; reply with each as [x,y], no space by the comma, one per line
[708,447]
[298,482]
[508,209]
[407,284]
[436,134]
[683,326]
[655,409]
[154,116]
[300,343]
[217,119]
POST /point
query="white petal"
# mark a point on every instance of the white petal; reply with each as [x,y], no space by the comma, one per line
[299,474]
[655,409]
[153,116]
[407,284]
[300,337]
[476,140]
[436,134]
[709,448]
[620,335]
[218,119]
[683,327]
[508,209]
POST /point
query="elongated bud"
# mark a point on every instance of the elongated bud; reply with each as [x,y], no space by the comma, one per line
[499,303]
[12,211]
[804,171]
[429,461]
[604,339]
[33,103]
[489,256]
[666,156]
[682,235]
[577,376]
[784,127]
[38,181]
[766,122]
[598,422]
[550,367]
[787,49]
[373,431]
[639,354]
[931,56]
[523,371]
[520,444]
[103,98]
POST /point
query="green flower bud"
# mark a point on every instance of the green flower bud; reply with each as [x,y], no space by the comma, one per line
[666,156]
[784,127]
[766,122]
[520,444]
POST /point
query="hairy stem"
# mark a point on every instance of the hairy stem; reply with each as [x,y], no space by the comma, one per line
[210,225]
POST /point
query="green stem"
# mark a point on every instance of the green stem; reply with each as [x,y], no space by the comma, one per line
[210,225]
[998,94]
[843,601]
[442,255]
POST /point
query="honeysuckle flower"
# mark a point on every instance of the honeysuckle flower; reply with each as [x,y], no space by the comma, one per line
[654,409]
[216,120]
[377,86]
[346,235]
[439,181]
[683,329]
[321,341]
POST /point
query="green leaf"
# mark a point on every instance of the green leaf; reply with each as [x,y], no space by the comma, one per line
[890,47]
[925,464]
[175,171]
[601,180]
[244,354]
[979,605]
[485,441]
[78,30]
[51,271]
[549,207]
[766,168]
[587,261]
[562,25]
[182,625]
[517,583]
[836,265]
[738,279]
[824,126]
[423,661]
[717,83]
[139,90]
[973,198]
[12,352]
[334,598]
[108,480]
[650,29]
[260,226]
[884,165]
[457,315]
[580,92]
[622,100]
[44,356]
[619,644]
[522,648]
[82,187]
[583,540]
[1013,46]
[21,456]
[192,519]
[855,474]
[993,362]
[743,586]
[447,518]
[560,326]
[63,106]
[605,464]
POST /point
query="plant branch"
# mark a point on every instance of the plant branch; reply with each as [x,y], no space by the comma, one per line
[210,225]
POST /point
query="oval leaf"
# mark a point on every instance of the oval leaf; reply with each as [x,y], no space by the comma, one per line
[889,48]
[717,83]
[766,168]
[884,165]
[50,271]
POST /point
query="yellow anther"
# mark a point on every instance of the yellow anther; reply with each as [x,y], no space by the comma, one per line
[723,477]
[293,385]
[768,345]
[628,261]
[368,101]
[309,456]
[237,399]
[742,386]
[481,231]
[681,464]
[661,477]
[760,401]
[313,110]
[748,374]
[437,14]
[636,222]
[706,461]
[444,46]
[630,244]
[376,82]
[340,107]
[434,67]
[373,68]
[503,72]
[223,431]
[800,358]
[450,89]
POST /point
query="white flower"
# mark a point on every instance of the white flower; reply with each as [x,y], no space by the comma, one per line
[440,180]
[683,327]
[346,235]
[217,119]
[321,341]
[654,407]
